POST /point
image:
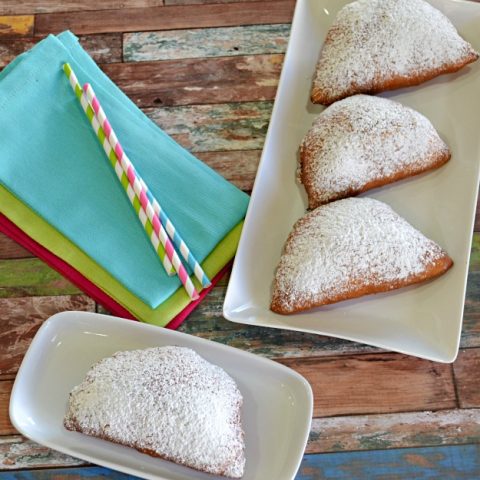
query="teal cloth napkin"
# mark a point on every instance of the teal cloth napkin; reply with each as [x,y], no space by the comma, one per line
[51,160]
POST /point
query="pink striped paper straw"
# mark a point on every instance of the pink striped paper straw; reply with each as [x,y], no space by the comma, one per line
[136,182]
[121,175]
[149,203]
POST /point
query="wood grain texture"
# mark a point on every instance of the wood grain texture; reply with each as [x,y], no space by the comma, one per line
[238,167]
[198,81]
[11,249]
[457,462]
[477,213]
[22,317]
[399,430]
[48,6]
[471,315]
[31,277]
[16,25]
[105,48]
[467,377]
[6,428]
[375,383]
[207,322]
[475,253]
[382,382]
[205,42]
[92,473]
[368,432]
[17,452]
[167,18]
[199,2]
[207,128]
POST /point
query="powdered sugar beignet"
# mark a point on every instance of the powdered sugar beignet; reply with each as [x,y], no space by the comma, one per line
[350,248]
[167,402]
[377,45]
[363,142]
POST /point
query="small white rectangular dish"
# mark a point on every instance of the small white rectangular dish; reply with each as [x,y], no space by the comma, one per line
[423,320]
[276,414]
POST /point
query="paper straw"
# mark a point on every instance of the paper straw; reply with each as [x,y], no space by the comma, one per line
[171,255]
[158,247]
[149,203]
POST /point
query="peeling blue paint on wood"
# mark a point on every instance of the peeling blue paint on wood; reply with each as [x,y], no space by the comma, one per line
[205,42]
[434,463]
[216,127]
[66,473]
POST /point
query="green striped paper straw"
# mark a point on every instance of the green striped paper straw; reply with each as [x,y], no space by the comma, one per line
[112,157]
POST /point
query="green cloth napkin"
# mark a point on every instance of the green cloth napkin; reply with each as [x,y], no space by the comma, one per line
[43,233]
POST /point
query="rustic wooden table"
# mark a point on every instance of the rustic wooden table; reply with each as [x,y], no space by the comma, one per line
[207,74]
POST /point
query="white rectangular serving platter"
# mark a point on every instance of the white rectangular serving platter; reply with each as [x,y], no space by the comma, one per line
[423,320]
[276,413]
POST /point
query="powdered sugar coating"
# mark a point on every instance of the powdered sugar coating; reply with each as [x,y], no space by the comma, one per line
[167,401]
[373,42]
[363,141]
[347,245]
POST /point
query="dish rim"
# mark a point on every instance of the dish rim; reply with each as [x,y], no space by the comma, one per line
[73,317]
[229,312]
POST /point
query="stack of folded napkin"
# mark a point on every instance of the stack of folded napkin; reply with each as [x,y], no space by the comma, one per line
[60,198]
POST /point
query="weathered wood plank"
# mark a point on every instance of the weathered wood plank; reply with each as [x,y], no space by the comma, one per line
[17,452]
[375,383]
[399,430]
[475,253]
[92,473]
[104,48]
[369,432]
[6,428]
[456,462]
[467,377]
[16,25]
[167,18]
[217,127]
[207,322]
[198,81]
[238,167]
[370,383]
[22,317]
[49,6]
[205,42]
[459,462]
[477,215]
[31,277]
[198,2]
[471,314]
[10,249]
